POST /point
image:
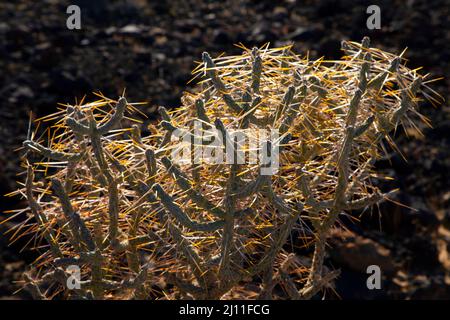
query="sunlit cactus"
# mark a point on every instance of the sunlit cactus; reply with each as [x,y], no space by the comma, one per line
[140,225]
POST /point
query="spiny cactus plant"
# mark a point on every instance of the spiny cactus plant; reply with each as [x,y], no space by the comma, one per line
[139,225]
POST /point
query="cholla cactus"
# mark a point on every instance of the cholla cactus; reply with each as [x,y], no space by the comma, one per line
[139,225]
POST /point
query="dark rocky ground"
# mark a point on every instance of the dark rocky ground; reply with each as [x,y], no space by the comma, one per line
[148,47]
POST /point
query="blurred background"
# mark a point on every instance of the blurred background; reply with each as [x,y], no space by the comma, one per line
[150,47]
